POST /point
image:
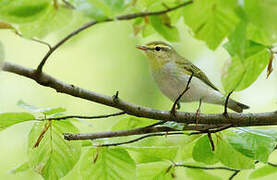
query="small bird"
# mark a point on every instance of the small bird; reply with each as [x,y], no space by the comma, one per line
[172,72]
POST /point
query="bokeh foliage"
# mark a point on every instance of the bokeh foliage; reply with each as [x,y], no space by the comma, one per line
[246,28]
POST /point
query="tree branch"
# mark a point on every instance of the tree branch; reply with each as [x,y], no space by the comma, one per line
[237,119]
[141,138]
[83,117]
[91,23]
[138,131]
[205,168]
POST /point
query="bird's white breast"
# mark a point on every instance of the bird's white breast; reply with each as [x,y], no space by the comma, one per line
[172,82]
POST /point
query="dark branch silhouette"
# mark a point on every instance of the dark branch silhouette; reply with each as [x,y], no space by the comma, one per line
[83,117]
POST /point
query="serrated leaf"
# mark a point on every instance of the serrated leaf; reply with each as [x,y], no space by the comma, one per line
[54,157]
[213,21]
[21,168]
[241,73]
[169,33]
[230,157]
[9,119]
[253,144]
[107,163]
[153,154]
[202,151]
[263,171]
[155,171]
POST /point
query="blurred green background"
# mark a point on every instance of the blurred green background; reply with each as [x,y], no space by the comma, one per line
[104,59]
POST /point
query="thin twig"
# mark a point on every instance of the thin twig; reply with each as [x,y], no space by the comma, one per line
[83,117]
[68,4]
[35,40]
[211,141]
[234,174]
[140,138]
[91,23]
[271,164]
[226,105]
[204,168]
[40,137]
[173,109]
[213,130]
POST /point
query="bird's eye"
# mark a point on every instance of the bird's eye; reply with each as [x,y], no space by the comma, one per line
[157,48]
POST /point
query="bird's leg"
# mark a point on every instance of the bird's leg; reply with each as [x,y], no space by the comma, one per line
[198,112]
[225,113]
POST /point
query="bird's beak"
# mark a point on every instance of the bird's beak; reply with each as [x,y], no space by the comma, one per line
[144,48]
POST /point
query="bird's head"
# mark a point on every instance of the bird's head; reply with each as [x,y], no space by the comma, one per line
[159,53]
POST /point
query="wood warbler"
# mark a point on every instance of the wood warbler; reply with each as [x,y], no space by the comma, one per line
[171,72]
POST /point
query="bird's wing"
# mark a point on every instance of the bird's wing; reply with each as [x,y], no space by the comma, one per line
[189,68]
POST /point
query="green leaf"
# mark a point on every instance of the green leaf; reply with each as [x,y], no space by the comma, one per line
[46,111]
[22,11]
[61,20]
[107,163]
[174,125]
[202,151]
[241,73]
[258,35]
[21,168]
[237,41]
[169,33]
[153,154]
[132,122]
[211,20]
[89,9]
[51,111]
[197,174]
[231,157]
[253,144]
[100,9]
[9,119]
[187,147]
[263,171]
[54,157]
[155,171]
[263,15]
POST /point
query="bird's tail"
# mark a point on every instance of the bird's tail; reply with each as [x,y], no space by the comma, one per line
[236,106]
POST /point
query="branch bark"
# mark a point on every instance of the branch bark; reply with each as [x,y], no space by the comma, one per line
[235,119]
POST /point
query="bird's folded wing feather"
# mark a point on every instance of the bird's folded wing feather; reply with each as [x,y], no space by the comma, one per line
[189,68]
